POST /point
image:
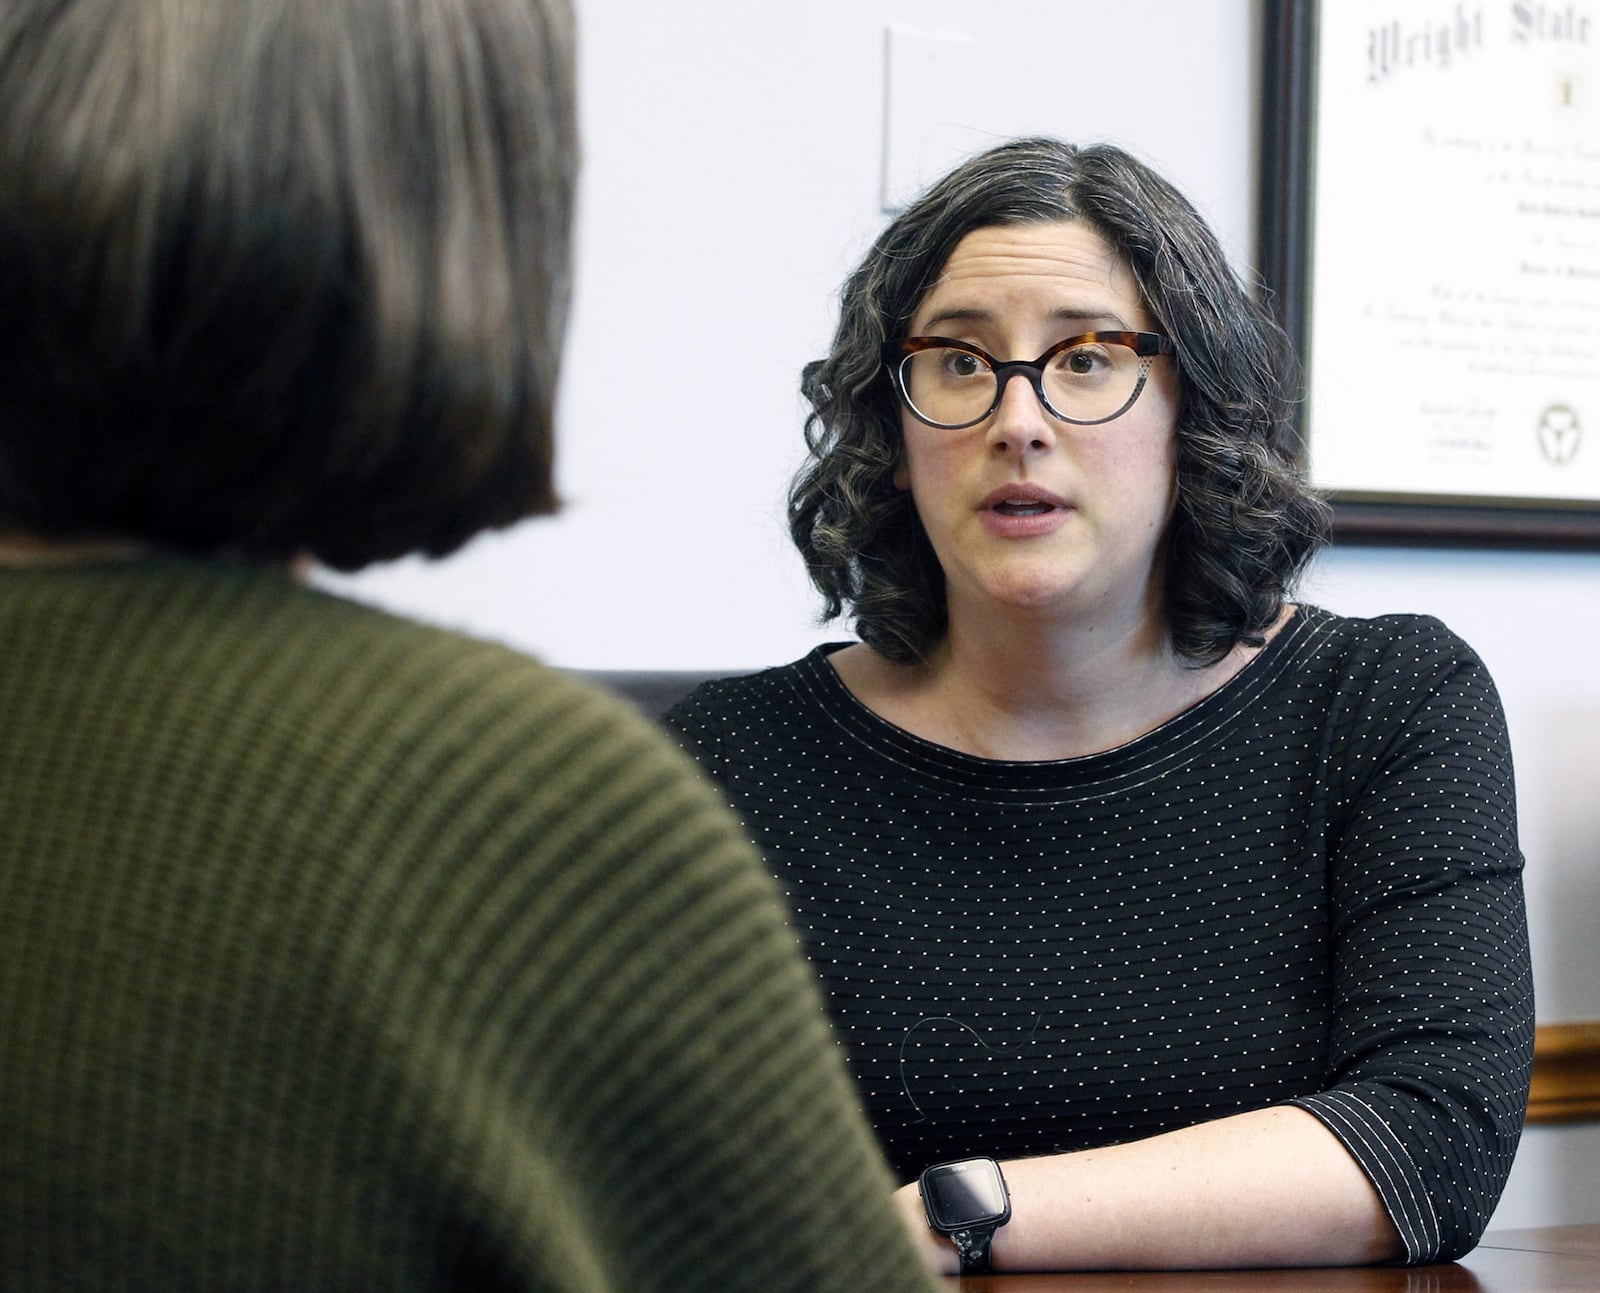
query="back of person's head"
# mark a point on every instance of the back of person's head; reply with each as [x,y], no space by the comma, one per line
[282,277]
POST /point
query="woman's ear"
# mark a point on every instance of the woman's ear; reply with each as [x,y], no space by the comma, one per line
[902,476]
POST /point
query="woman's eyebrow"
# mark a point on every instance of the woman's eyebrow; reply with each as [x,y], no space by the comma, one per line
[1087,319]
[959,314]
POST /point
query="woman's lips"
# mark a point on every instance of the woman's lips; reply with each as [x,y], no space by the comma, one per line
[1023,511]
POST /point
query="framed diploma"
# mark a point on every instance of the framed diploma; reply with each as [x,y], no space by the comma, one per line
[1430,235]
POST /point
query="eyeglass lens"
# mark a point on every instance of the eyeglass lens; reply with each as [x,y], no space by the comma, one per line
[1092,382]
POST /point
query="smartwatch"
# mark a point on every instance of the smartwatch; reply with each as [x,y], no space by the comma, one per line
[967,1201]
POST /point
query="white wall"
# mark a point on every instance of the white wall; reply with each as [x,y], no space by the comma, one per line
[735,164]
[733,173]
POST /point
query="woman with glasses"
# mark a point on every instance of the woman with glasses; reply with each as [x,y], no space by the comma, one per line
[1189,915]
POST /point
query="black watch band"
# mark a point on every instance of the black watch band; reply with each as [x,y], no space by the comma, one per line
[973,1246]
[966,1201]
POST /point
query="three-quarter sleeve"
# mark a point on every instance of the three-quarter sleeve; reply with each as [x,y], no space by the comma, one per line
[1430,1052]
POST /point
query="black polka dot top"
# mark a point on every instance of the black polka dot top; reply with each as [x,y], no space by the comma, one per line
[1305,889]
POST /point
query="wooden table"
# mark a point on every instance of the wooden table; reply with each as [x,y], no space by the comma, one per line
[1551,1259]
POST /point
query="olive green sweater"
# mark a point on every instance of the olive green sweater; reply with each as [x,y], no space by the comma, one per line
[337,952]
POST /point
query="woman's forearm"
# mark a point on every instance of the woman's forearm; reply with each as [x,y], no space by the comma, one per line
[1272,1187]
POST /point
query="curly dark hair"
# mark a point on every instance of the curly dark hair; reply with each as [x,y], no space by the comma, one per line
[1244,524]
[282,278]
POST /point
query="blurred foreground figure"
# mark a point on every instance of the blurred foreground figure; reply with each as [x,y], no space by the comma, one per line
[337,952]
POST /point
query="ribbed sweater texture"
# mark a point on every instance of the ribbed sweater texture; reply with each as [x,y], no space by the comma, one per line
[1305,889]
[339,952]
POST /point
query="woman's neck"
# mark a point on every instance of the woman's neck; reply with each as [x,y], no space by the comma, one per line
[1006,691]
[1010,693]
[20,549]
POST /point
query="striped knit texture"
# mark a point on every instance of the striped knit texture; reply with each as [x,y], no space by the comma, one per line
[1306,888]
[337,952]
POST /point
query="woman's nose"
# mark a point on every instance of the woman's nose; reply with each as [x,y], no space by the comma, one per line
[1020,422]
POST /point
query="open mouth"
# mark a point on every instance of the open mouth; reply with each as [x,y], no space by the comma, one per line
[1023,507]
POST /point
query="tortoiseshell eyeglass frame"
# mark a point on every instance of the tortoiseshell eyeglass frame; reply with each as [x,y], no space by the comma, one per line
[1147,345]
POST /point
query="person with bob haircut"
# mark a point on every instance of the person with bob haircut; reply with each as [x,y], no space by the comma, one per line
[1165,921]
[342,952]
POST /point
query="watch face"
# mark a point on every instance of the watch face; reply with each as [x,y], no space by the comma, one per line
[964,1194]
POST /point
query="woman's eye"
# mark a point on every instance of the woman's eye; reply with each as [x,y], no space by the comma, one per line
[1082,361]
[960,364]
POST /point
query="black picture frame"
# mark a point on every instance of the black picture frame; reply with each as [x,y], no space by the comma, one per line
[1286,223]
